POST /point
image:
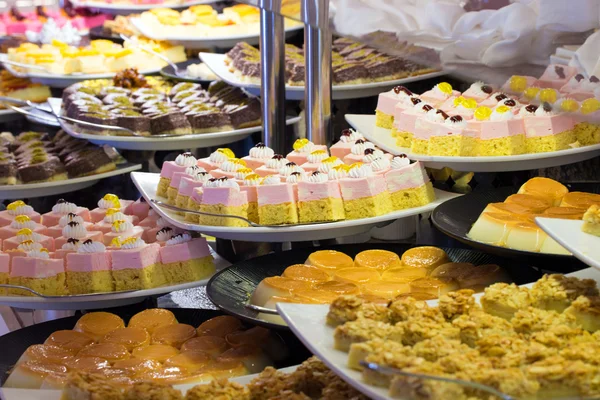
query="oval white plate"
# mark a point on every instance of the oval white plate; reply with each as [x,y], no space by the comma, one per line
[147,183]
[365,124]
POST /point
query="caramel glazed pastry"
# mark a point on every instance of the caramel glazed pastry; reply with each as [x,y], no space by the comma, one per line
[185,109]
[33,157]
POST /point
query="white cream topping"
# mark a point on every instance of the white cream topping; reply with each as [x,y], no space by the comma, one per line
[106,204]
[289,168]
[164,234]
[261,152]
[370,157]
[74,230]
[116,216]
[317,177]
[201,176]
[541,112]
[178,239]
[307,148]
[419,107]
[505,116]
[38,254]
[399,162]
[252,182]
[380,164]
[36,237]
[20,225]
[277,164]
[65,219]
[317,156]
[241,175]
[185,159]
[363,171]
[93,247]
[230,166]
[121,226]
[22,210]
[353,137]
[295,177]
[336,174]
[434,116]
[271,180]
[475,88]
[64,208]
[70,245]
[217,157]
[133,245]
[359,148]
[193,170]
[221,182]
[325,167]
[29,246]
[524,113]
[573,83]
[588,86]
[455,124]
[436,89]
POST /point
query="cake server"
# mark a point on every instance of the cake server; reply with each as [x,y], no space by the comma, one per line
[176,69]
[60,297]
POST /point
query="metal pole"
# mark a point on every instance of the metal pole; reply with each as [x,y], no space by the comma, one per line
[317,52]
[272,87]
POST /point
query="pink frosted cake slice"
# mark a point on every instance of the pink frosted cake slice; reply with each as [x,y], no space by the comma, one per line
[136,265]
[228,168]
[21,222]
[452,137]
[425,126]
[18,208]
[319,199]
[556,76]
[62,208]
[194,203]
[344,146]
[405,124]
[408,184]
[259,155]
[548,131]
[187,186]
[276,202]
[248,186]
[357,152]
[500,133]
[112,215]
[163,235]
[27,234]
[289,169]
[313,160]
[4,271]
[439,94]
[180,164]
[580,88]
[387,102]
[150,220]
[56,231]
[124,229]
[173,189]
[215,159]
[89,269]
[140,208]
[478,91]
[185,259]
[272,166]
[39,272]
[108,201]
[222,196]
[517,84]
[364,193]
[302,148]
[69,247]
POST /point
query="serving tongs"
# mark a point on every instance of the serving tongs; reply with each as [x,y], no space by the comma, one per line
[45,296]
[140,46]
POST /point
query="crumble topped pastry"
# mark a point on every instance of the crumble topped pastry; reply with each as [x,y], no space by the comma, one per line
[478,324]
[405,308]
[535,319]
[417,330]
[557,292]
[362,330]
[359,351]
[90,387]
[456,303]
[218,389]
[503,300]
[152,391]
[439,347]
[591,220]
[586,311]
[344,309]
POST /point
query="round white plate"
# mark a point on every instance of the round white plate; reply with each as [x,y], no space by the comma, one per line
[10,192]
[381,137]
[147,183]
[216,62]
[7,115]
[568,233]
[105,300]
[202,42]
[192,141]
[126,9]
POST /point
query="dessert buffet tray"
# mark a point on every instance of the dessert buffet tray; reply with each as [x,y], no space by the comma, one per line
[102,300]
[11,192]
[216,62]
[147,183]
[308,322]
[126,8]
[179,142]
[365,124]
[230,288]
[568,233]
[201,42]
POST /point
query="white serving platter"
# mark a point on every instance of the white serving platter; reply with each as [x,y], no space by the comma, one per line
[308,322]
[202,42]
[216,62]
[381,137]
[58,80]
[147,183]
[126,9]
[105,300]
[568,233]
[192,141]
[29,190]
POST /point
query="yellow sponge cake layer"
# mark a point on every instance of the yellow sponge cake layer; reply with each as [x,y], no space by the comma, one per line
[403,138]
[163,186]
[192,205]
[52,286]
[452,145]
[383,120]
[411,198]
[591,221]
[240,211]
[587,133]
[189,271]
[278,214]
[544,144]
[3,281]
[366,207]
[90,282]
[419,146]
[503,146]
[330,209]
[139,278]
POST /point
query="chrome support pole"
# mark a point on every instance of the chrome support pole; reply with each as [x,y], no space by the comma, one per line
[272,87]
[317,53]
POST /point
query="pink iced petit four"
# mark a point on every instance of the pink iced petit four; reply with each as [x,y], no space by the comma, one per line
[302,148]
[139,259]
[258,156]
[362,184]
[77,231]
[70,246]
[149,233]
[387,101]
[112,215]
[478,91]
[21,222]
[107,202]
[357,152]
[187,184]
[580,88]
[27,234]
[439,94]
[272,166]
[56,231]
[62,208]
[215,159]
[494,99]
[124,229]
[314,160]
[556,76]
[289,169]
[18,208]
[381,165]
[517,84]
[139,208]
[343,147]
[228,168]
[37,264]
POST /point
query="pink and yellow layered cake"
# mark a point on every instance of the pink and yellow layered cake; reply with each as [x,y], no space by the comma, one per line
[27,234]
[319,199]
[112,215]
[185,259]
[173,189]
[139,208]
[105,203]
[500,132]
[89,269]
[357,152]
[517,84]
[272,166]
[405,124]
[460,106]
[556,76]
[548,131]
[136,265]
[408,184]
[194,203]
[4,271]
[215,159]
[313,160]
[344,146]
[258,156]
[424,128]
[249,185]
[439,94]
[327,164]
[222,196]
[364,193]
[21,222]
[39,272]
[386,103]
[302,148]
[62,208]
[18,208]
[180,164]
[187,186]
[69,247]
[276,202]
[289,169]
[56,231]
[228,168]
[587,122]
[579,88]
[478,91]
[124,229]
[76,230]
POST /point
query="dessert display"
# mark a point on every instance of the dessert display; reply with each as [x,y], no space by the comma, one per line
[511,223]
[22,89]
[271,189]
[159,109]
[153,348]
[100,56]
[353,63]
[34,157]
[149,3]
[120,245]
[536,343]
[16,22]
[530,116]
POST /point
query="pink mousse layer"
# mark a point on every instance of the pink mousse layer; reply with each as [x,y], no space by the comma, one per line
[95,236]
[106,227]
[140,257]
[219,173]
[301,158]
[187,185]
[229,197]
[399,109]
[51,219]
[140,208]
[137,232]
[60,253]
[264,171]
[424,128]
[547,125]
[4,263]
[408,177]
[88,262]
[308,191]
[341,149]
[497,129]
[436,99]
[550,79]
[506,87]
[56,231]
[197,195]
[169,168]
[445,130]
[7,219]
[254,163]
[310,167]
[275,194]
[407,120]
[353,158]
[98,214]
[194,249]
[176,179]
[149,221]
[207,164]
[12,243]
[359,188]
[8,232]
[29,267]
[250,193]
[387,101]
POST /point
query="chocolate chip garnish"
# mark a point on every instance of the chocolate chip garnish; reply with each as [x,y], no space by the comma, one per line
[427,107]
[89,241]
[415,100]
[547,107]
[402,155]
[166,229]
[315,173]
[456,118]
[579,77]
[223,179]
[594,79]
[73,224]
[298,173]
[176,236]
[72,240]
[487,89]
[531,108]
[369,151]
[510,103]
[360,141]
[442,113]
[290,164]
[60,201]
[212,179]
[399,89]
[501,97]
[560,71]
[346,132]
[71,215]
[277,157]
[260,144]
[187,154]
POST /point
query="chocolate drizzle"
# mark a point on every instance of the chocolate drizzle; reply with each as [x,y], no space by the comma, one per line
[560,71]
[487,89]
[166,229]
[60,201]
[298,173]
[415,100]
[594,79]
[315,173]
[456,118]
[402,155]
[89,241]
[290,164]
[260,145]
[71,215]
[73,224]
[399,89]
[177,235]
[369,151]
[16,14]
[41,11]
[510,103]
[277,157]
[500,97]
[427,107]
[72,240]
[360,141]
[580,77]
[443,114]
[547,107]
[531,108]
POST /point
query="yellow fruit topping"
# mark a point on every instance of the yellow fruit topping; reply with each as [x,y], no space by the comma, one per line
[469,103]
[445,87]
[531,92]
[38,158]
[203,9]
[24,231]
[300,143]
[101,44]
[244,171]
[88,52]
[27,242]
[483,113]
[331,159]
[116,242]
[355,165]
[342,167]
[569,105]
[227,152]
[44,250]
[548,95]
[458,101]
[118,223]
[252,177]
[15,204]
[129,240]
[502,109]
[110,197]
[589,106]
[59,44]
[22,218]
[318,152]
[238,161]
[518,83]
[112,211]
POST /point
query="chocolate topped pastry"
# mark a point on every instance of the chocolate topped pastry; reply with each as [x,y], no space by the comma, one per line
[42,169]
[89,161]
[8,172]
[384,68]
[244,115]
[184,86]
[209,121]
[170,123]
[349,73]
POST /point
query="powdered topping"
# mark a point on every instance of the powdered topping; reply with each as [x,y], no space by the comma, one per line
[220,155]
[71,244]
[179,238]
[65,219]
[132,243]
[185,159]
[271,180]
[329,163]
[164,234]
[29,245]
[317,177]
[544,109]
[261,151]
[350,136]
[295,177]
[221,182]
[252,180]
[528,111]
[502,113]
[64,207]
[360,170]
[22,221]
[338,172]
[19,208]
[482,113]
[232,165]
[121,225]
[243,173]
[456,121]
[359,147]
[400,161]
[28,234]
[303,146]
[74,230]
[277,162]
[443,89]
[109,201]
[40,253]
[289,168]
[380,164]
[193,170]
[317,156]
[115,216]
[201,176]
[372,154]
[89,246]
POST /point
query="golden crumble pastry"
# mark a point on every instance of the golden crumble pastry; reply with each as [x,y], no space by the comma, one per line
[417,330]
[457,303]
[534,319]
[405,308]
[438,347]
[359,351]
[362,330]
[152,391]
[588,352]
[512,381]
[477,324]
[558,336]
[337,389]
[559,377]
[466,361]
[503,300]
[269,383]
[289,395]
[91,387]
[557,292]
[343,309]
[591,220]
[417,388]
[218,389]
[586,311]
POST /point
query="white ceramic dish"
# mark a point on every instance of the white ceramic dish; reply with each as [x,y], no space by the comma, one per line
[126,9]
[147,183]
[95,301]
[568,233]
[216,62]
[10,192]
[61,81]
[193,141]
[308,324]
[202,42]
[365,124]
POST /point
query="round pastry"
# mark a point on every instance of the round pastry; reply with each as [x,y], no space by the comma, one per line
[357,275]
[276,286]
[308,273]
[253,358]
[109,351]
[427,257]
[156,352]
[46,354]
[452,271]
[545,188]
[128,337]
[173,335]
[564,213]
[401,273]
[136,365]
[87,364]
[315,296]
[535,204]
[432,286]
[219,326]
[31,374]
[482,276]
[580,200]
[257,336]
[329,260]
[378,259]
[189,360]
[98,324]
[152,319]
[225,368]
[212,345]
[386,290]
[337,287]
[69,340]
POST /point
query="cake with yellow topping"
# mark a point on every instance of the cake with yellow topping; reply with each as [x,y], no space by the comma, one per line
[136,265]
[500,132]
[89,270]
[364,193]
[277,202]
[36,270]
[546,129]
